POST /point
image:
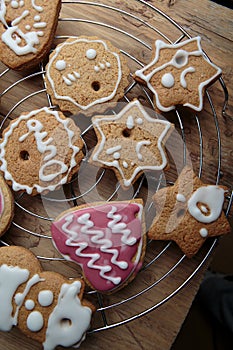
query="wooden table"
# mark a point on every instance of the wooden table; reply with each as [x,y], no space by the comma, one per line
[158,329]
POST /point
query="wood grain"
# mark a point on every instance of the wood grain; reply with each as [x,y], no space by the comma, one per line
[158,329]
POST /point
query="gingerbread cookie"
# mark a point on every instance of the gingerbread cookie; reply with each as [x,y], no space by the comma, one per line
[178,74]
[130,143]
[189,212]
[84,72]
[6,206]
[106,239]
[44,305]
[40,151]
[27,28]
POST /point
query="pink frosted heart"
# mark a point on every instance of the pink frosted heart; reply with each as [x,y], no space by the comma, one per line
[106,240]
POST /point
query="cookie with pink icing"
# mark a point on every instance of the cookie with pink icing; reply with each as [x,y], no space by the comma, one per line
[40,151]
[86,72]
[106,239]
[178,74]
[189,212]
[27,29]
[44,305]
[131,142]
[6,206]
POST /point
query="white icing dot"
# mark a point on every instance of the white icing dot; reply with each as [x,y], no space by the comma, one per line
[180,198]
[125,164]
[96,68]
[27,27]
[168,80]
[45,297]
[108,64]
[77,75]
[29,304]
[91,54]
[139,121]
[102,66]
[203,232]
[35,321]
[60,65]
[18,298]
[116,155]
[21,3]
[14,4]
[37,18]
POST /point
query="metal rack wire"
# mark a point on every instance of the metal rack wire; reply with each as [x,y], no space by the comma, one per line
[133,90]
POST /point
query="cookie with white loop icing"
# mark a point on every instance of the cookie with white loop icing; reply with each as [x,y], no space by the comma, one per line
[44,305]
[107,240]
[40,151]
[27,29]
[85,72]
[131,142]
[6,206]
[189,212]
[178,74]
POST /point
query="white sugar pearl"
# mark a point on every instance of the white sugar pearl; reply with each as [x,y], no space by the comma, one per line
[91,54]
[168,80]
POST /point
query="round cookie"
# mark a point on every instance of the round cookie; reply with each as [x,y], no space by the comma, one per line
[40,151]
[107,240]
[27,29]
[6,206]
[84,72]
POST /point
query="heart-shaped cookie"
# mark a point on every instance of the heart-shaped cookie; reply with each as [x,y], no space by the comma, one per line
[106,239]
[27,29]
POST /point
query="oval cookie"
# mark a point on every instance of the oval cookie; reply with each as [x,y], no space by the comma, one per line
[106,239]
[27,29]
[84,72]
[40,151]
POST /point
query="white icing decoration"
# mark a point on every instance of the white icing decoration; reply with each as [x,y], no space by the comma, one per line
[116,155]
[36,7]
[14,4]
[27,27]
[70,99]
[204,209]
[35,321]
[77,75]
[98,121]
[45,297]
[40,25]
[130,122]
[1,202]
[21,3]
[91,54]
[29,304]
[125,164]
[97,69]
[37,18]
[71,78]
[19,19]
[69,308]
[182,76]
[113,149]
[203,232]
[60,65]
[213,197]
[43,146]
[139,121]
[168,80]
[139,146]
[178,60]
[67,81]
[102,66]
[180,198]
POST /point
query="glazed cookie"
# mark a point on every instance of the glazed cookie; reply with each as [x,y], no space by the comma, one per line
[27,28]
[40,151]
[44,305]
[107,240]
[130,143]
[189,212]
[178,74]
[6,206]
[84,72]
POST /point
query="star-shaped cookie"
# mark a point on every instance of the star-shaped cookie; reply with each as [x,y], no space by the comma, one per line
[189,212]
[130,142]
[178,74]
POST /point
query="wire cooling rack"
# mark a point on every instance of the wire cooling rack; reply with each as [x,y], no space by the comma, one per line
[138,26]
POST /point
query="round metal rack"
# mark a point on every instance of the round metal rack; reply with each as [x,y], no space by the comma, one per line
[139,26]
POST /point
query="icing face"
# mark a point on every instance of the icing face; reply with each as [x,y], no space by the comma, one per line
[68,321]
[135,136]
[1,202]
[103,240]
[20,30]
[182,63]
[69,73]
[47,148]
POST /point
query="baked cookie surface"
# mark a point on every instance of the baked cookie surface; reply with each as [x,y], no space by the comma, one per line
[6,206]
[130,143]
[106,239]
[178,74]
[189,212]
[40,151]
[27,28]
[84,72]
